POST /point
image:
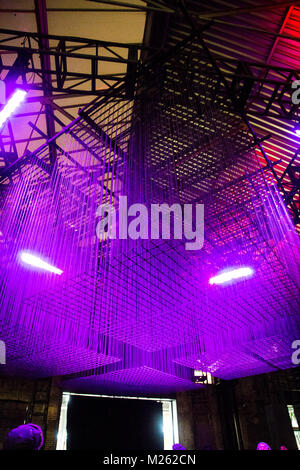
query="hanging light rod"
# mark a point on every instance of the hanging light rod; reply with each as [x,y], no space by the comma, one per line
[39,263]
[14,101]
[230,275]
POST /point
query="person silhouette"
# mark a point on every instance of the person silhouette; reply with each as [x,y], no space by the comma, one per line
[178,447]
[263,446]
[25,437]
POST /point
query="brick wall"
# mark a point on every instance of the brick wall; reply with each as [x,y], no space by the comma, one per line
[16,400]
[199,423]
[241,413]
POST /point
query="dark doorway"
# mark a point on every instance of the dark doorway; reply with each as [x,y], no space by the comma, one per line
[114,424]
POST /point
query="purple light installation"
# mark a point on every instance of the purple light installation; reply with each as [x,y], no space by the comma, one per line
[39,263]
[144,308]
[231,275]
[13,102]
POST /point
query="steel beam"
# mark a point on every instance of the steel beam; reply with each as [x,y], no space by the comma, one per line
[42,26]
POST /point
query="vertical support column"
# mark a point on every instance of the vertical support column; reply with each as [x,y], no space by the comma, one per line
[185,420]
[42,26]
[229,415]
[199,420]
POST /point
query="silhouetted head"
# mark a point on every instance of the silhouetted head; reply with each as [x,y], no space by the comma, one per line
[178,447]
[25,437]
[263,446]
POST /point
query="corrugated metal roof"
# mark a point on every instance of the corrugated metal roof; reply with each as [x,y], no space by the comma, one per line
[269,36]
